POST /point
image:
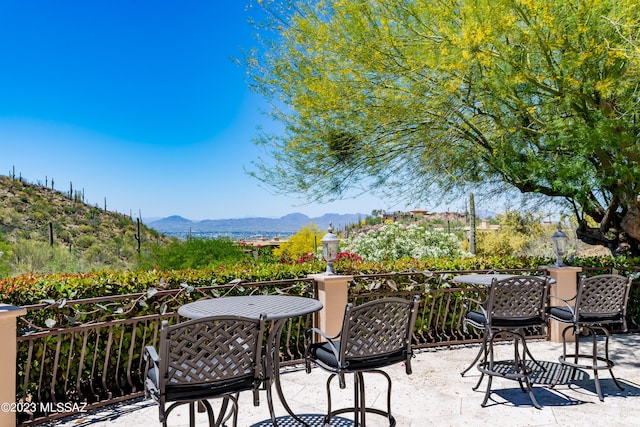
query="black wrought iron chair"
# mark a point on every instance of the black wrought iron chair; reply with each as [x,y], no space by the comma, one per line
[512,305]
[213,357]
[600,301]
[374,335]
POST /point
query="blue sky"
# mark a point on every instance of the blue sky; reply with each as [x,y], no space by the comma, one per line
[140,103]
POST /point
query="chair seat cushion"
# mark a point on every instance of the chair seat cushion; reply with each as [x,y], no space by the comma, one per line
[477,318]
[201,390]
[517,322]
[564,314]
[322,353]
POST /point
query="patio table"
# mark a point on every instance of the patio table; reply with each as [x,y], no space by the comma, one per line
[480,279]
[277,309]
[485,279]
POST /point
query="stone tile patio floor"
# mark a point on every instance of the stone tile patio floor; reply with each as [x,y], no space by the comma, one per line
[435,394]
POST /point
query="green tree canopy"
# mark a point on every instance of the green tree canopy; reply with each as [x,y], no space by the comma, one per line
[427,97]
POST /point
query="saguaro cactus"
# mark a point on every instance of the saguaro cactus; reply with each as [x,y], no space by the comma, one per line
[137,236]
[472,225]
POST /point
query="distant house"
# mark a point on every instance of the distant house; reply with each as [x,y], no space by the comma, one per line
[418,213]
[486,225]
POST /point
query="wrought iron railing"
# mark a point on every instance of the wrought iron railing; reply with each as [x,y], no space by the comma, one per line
[88,352]
[443,303]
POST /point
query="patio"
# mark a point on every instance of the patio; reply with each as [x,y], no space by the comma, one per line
[435,394]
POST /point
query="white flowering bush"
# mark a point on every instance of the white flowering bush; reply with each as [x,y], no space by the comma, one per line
[394,241]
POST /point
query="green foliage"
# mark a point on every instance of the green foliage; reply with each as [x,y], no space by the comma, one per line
[86,241]
[31,288]
[28,256]
[394,241]
[5,256]
[422,98]
[517,235]
[301,244]
[192,253]
[83,236]
[34,288]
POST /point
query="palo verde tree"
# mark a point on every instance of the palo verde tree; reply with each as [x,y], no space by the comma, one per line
[425,97]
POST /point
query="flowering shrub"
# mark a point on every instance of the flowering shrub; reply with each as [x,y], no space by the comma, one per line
[287,258]
[394,241]
[350,256]
[300,245]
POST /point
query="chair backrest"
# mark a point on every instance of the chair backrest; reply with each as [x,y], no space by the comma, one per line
[378,328]
[210,350]
[605,295]
[518,298]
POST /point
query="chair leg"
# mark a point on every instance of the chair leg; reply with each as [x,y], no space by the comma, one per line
[606,357]
[192,414]
[522,368]
[223,417]
[359,416]
[519,363]
[162,411]
[576,353]
[327,418]
[272,412]
[387,413]
[487,393]
[488,365]
[563,359]
[486,347]
[595,361]
[168,410]
[359,409]
[533,359]
[531,395]
[521,372]
[204,405]
[478,356]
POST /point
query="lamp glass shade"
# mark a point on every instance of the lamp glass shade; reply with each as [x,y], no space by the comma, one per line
[330,244]
[330,247]
[559,245]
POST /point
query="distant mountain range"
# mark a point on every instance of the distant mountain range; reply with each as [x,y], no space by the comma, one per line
[287,224]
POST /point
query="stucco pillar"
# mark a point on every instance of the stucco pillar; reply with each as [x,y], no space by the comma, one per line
[8,315]
[333,292]
[565,287]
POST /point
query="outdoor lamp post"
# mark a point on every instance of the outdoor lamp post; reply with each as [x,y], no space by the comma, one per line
[330,249]
[560,245]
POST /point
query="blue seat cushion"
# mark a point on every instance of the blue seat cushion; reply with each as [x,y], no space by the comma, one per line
[322,353]
[564,314]
[199,391]
[477,318]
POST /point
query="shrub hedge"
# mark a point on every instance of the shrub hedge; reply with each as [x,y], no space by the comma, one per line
[34,288]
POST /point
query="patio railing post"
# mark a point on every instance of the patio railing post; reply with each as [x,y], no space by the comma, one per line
[565,287]
[8,329]
[333,294]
